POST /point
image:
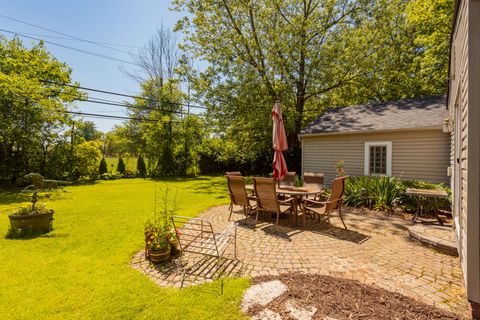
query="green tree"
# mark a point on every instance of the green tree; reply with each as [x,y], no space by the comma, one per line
[121,166]
[103,168]
[32,110]
[296,51]
[310,55]
[141,167]
[88,131]
[431,22]
[85,158]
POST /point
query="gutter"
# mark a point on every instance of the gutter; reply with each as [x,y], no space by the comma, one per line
[321,134]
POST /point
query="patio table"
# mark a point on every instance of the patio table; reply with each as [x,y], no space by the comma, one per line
[296,192]
[426,193]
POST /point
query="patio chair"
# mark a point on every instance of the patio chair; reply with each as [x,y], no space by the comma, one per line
[324,208]
[267,200]
[238,195]
[197,236]
[314,179]
[233,173]
[288,181]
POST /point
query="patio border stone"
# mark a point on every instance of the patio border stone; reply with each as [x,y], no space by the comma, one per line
[441,238]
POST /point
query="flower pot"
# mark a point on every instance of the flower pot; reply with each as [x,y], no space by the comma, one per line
[159,256]
[34,222]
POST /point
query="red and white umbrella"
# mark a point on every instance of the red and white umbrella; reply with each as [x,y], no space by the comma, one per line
[279,139]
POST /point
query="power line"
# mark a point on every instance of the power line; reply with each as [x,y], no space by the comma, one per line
[71,48]
[117,104]
[123,95]
[107,116]
[73,39]
[64,34]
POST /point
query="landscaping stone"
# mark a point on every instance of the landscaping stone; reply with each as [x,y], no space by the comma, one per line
[267,314]
[298,313]
[262,294]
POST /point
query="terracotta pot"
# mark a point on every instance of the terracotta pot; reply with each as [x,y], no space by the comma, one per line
[34,222]
[159,256]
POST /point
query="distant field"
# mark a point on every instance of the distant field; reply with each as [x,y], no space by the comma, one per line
[130,163]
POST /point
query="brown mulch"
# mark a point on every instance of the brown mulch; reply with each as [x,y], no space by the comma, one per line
[339,298]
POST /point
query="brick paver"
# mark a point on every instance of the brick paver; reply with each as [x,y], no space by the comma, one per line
[374,251]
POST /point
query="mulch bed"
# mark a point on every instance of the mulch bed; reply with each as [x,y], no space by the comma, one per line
[339,298]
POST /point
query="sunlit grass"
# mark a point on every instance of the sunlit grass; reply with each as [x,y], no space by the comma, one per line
[81,269]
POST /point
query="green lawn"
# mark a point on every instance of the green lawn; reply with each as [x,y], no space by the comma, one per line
[81,269]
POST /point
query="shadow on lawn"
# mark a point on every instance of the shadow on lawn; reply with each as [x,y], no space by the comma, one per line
[29,234]
[13,196]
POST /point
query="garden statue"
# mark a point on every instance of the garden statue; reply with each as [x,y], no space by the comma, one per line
[38,183]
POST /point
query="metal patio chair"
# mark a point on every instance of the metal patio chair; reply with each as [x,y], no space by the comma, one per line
[267,200]
[238,195]
[324,208]
[197,236]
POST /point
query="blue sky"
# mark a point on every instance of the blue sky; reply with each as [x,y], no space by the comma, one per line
[124,22]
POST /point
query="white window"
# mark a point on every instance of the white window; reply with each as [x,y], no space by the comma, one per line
[378,158]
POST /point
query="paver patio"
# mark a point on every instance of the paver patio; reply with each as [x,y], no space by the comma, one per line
[375,250]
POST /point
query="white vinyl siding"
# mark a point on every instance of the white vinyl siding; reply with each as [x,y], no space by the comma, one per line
[416,154]
[464,108]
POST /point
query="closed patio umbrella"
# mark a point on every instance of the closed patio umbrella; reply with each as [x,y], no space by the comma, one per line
[279,139]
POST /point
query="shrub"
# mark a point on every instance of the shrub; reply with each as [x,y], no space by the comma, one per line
[112,175]
[121,166]
[359,191]
[141,167]
[103,168]
[386,193]
[410,203]
[130,174]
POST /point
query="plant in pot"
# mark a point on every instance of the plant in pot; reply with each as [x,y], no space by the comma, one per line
[34,218]
[161,238]
[157,246]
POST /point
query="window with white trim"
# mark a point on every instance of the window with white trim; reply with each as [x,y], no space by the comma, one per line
[378,158]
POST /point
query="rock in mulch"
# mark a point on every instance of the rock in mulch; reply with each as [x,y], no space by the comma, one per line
[267,314]
[262,294]
[323,297]
[297,312]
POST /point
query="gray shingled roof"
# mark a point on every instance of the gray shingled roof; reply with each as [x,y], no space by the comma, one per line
[396,115]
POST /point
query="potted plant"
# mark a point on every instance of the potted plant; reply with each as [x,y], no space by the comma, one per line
[157,245]
[35,218]
[160,235]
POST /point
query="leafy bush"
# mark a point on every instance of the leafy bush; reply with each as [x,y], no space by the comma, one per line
[130,174]
[410,203]
[359,191]
[387,193]
[114,175]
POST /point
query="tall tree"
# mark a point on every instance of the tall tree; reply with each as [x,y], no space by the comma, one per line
[157,60]
[32,111]
[310,54]
[291,47]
